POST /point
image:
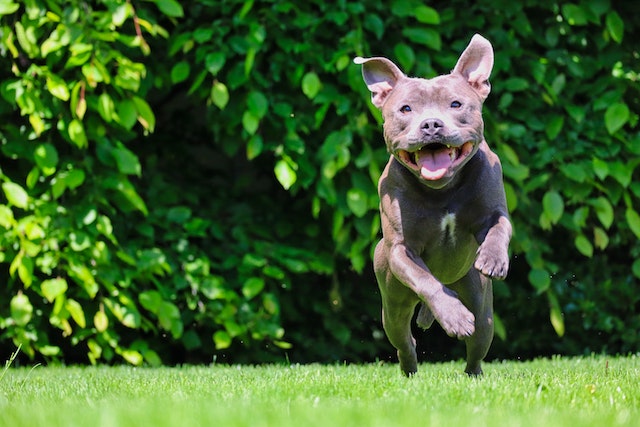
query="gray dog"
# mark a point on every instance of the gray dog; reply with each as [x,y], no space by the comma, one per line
[445,224]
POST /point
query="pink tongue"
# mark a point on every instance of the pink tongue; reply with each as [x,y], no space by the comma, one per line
[434,164]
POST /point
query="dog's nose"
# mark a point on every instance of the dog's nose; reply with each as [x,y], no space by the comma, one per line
[432,126]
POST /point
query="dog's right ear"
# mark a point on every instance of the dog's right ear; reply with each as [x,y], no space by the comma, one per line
[381,76]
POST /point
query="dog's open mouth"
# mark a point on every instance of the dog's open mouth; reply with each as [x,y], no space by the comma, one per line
[434,160]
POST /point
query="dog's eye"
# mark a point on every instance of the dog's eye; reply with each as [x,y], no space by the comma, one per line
[456,104]
[405,109]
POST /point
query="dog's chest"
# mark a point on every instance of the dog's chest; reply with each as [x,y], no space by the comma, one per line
[448,228]
[448,247]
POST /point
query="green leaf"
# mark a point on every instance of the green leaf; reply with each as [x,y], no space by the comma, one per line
[311,84]
[580,216]
[258,104]
[254,147]
[126,161]
[21,309]
[500,329]
[252,287]
[16,195]
[600,238]
[516,84]
[169,318]
[126,313]
[27,39]
[282,344]
[219,95]
[84,277]
[633,219]
[621,172]
[25,271]
[145,114]
[150,300]
[37,123]
[575,171]
[121,14]
[402,8]
[179,214]
[106,107]
[127,113]
[427,15]
[7,219]
[615,117]
[604,211]
[553,205]
[285,174]
[203,35]
[57,87]
[170,8]
[424,36]
[222,340]
[554,127]
[574,14]
[180,72]
[374,24]
[7,7]
[600,168]
[78,104]
[53,288]
[406,56]
[540,279]
[214,62]
[79,241]
[357,201]
[73,178]
[131,356]
[555,313]
[558,84]
[583,245]
[615,26]
[635,268]
[46,157]
[77,134]
[250,122]
[77,313]
[131,198]
[101,321]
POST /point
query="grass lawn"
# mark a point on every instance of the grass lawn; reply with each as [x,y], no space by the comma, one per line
[595,391]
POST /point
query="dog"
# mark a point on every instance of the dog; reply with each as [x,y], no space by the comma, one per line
[445,224]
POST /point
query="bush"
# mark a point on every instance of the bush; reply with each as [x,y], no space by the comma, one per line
[183,182]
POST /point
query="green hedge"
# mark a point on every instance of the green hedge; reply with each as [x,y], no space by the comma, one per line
[189,183]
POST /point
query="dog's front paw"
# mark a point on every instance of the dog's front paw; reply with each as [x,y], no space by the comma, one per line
[456,320]
[492,261]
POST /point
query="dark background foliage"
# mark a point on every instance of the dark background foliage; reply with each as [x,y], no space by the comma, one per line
[188,182]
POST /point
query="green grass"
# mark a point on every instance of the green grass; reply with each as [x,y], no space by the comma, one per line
[595,391]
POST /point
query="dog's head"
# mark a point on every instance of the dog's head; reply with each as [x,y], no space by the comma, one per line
[433,126]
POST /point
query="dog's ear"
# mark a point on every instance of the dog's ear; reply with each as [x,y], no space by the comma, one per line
[475,64]
[381,76]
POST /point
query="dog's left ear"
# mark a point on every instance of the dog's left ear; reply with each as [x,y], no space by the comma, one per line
[475,64]
[381,75]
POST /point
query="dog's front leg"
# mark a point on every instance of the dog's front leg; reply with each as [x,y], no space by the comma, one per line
[409,269]
[492,259]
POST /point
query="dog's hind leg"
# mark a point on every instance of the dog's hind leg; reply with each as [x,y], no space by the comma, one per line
[425,317]
[476,292]
[396,320]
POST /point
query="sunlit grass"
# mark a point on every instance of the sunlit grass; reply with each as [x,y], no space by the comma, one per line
[596,391]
